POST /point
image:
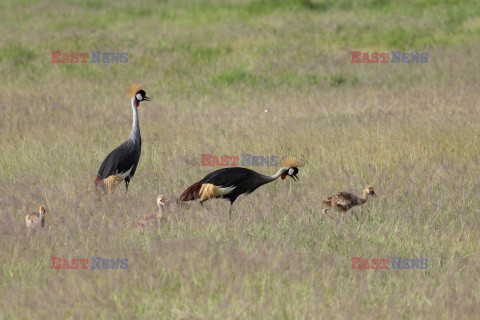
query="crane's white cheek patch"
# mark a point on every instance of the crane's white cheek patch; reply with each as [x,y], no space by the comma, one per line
[139,97]
[290,171]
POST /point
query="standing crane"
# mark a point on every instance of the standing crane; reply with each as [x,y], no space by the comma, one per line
[121,163]
[35,220]
[229,183]
[344,201]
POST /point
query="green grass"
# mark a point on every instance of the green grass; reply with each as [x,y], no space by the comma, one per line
[211,69]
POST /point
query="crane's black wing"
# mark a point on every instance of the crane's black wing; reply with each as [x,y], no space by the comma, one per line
[121,159]
[243,179]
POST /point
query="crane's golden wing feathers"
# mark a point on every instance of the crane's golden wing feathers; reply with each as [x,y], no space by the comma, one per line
[132,89]
[112,181]
[291,162]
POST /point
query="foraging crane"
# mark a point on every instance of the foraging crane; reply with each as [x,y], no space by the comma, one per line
[35,220]
[231,182]
[344,201]
[153,217]
[121,163]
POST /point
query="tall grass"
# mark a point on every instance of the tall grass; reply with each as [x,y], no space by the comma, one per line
[212,68]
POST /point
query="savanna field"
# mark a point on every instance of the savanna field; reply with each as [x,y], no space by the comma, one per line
[211,69]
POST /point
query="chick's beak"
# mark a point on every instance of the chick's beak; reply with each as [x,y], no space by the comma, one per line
[373,194]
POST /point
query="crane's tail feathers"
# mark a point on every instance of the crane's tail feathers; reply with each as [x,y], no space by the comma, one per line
[99,185]
[192,192]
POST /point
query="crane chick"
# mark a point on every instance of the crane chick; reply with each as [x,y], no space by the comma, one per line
[153,217]
[35,220]
[344,201]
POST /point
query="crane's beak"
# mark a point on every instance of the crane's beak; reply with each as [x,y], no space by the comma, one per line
[146,98]
[295,177]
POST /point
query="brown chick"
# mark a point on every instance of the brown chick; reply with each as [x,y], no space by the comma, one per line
[344,201]
[153,217]
[35,220]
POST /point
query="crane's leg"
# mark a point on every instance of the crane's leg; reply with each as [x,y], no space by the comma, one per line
[356,216]
[230,210]
[325,211]
[203,206]
[127,181]
[344,215]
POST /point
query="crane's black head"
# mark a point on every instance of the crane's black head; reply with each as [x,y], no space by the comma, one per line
[141,96]
[291,172]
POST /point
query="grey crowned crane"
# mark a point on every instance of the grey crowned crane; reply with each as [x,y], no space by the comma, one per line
[121,163]
[229,183]
[344,201]
[35,220]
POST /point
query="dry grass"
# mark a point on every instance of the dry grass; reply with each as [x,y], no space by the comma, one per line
[410,130]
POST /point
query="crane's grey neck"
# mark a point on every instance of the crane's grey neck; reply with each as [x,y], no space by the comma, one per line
[135,134]
[268,179]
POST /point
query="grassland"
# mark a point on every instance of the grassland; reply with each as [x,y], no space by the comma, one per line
[212,68]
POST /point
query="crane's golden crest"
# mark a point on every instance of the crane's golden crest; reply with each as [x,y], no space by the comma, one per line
[291,162]
[133,88]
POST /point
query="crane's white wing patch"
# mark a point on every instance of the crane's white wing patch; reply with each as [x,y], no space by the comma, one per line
[225,190]
[125,174]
